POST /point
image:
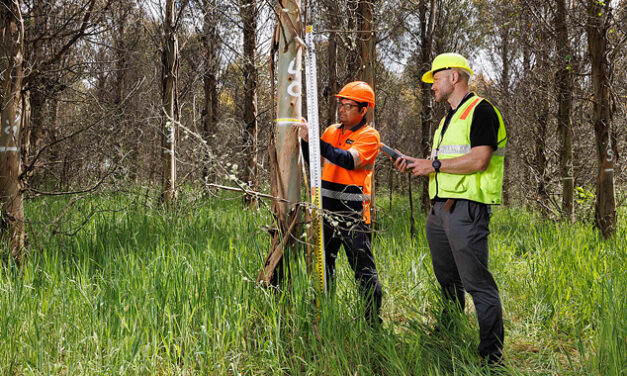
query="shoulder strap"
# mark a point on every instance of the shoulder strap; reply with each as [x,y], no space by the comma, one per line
[470,107]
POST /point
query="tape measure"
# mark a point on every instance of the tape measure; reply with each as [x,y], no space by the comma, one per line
[315,173]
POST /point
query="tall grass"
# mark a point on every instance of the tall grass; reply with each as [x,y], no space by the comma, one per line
[135,290]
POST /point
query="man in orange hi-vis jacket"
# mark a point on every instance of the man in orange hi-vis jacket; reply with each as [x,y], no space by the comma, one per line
[349,150]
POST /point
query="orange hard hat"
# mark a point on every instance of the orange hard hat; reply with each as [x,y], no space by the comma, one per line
[358,91]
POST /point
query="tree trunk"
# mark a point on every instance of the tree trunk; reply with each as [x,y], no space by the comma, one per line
[427,19]
[11,76]
[540,160]
[367,54]
[121,53]
[564,96]
[284,159]
[412,222]
[597,25]
[353,61]
[332,88]
[505,35]
[170,61]
[367,44]
[249,19]
[211,44]
[26,127]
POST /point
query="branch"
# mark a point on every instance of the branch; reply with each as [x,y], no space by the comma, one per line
[79,34]
[41,193]
[31,166]
[246,191]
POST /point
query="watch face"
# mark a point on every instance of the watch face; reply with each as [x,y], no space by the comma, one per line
[436,165]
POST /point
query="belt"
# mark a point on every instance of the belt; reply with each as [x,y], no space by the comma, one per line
[448,202]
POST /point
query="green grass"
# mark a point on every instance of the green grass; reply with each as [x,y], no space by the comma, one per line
[138,291]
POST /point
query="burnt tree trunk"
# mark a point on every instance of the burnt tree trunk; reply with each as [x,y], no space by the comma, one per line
[597,27]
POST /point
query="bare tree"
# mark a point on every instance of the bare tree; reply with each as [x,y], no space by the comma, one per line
[332,18]
[170,116]
[367,44]
[248,12]
[426,16]
[564,86]
[52,35]
[598,23]
[212,43]
[12,55]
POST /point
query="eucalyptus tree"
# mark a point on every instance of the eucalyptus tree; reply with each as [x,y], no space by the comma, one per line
[284,147]
[12,74]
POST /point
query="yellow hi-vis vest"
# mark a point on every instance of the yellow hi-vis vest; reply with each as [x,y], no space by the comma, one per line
[483,186]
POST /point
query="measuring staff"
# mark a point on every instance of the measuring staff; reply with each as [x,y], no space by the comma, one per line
[349,150]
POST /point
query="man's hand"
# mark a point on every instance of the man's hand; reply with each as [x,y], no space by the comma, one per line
[421,167]
[402,163]
[303,130]
[416,166]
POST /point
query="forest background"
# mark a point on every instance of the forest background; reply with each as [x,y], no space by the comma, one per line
[94,92]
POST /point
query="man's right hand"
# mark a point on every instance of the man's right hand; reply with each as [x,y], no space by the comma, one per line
[402,162]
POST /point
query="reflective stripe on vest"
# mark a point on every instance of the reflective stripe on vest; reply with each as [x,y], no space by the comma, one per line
[465,149]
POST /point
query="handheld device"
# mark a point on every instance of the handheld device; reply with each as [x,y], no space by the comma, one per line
[389,151]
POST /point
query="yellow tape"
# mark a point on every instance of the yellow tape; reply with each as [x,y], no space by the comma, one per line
[287,120]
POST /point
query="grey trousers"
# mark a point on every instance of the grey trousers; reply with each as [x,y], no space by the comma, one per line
[458,241]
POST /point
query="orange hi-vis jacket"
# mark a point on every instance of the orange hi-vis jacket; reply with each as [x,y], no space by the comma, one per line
[354,185]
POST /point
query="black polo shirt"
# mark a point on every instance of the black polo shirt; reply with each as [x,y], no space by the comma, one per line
[485,124]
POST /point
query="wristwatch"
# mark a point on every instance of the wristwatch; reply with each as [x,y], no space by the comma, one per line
[436,165]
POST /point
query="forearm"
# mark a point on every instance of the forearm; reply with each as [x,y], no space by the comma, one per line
[466,164]
[337,156]
[304,147]
[477,160]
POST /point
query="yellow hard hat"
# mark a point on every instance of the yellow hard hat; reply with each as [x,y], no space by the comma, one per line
[446,61]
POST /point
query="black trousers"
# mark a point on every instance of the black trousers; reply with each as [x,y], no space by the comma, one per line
[458,241]
[356,237]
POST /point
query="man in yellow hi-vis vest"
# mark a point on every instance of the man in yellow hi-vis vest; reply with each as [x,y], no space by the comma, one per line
[465,177]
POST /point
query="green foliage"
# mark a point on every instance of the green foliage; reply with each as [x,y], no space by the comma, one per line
[141,291]
[585,201]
